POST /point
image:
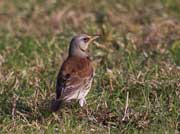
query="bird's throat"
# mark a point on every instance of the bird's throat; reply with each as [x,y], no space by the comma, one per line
[82,49]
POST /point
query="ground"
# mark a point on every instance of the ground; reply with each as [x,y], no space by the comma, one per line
[138,54]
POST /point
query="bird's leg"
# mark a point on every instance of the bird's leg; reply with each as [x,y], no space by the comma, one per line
[82,101]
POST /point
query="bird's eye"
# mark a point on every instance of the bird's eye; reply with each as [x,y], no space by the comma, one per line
[86,39]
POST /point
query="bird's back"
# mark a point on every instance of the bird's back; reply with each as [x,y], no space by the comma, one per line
[74,78]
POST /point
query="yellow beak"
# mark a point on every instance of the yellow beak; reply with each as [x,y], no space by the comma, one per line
[92,38]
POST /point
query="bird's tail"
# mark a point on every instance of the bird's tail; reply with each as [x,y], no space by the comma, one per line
[55,105]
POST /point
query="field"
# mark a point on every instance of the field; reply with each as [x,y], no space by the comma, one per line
[137,59]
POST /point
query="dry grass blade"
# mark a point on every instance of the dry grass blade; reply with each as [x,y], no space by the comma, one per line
[126,110]
[13,113]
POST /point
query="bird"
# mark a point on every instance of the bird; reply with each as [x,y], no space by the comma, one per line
[76,73]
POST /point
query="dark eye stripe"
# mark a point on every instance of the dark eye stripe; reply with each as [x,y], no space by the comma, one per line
[86,39]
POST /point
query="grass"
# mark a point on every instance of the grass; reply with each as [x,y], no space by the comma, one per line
[137,53]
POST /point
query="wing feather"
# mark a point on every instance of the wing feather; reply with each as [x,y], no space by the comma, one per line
[75,73]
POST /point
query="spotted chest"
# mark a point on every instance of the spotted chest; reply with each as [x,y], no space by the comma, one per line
[81,92]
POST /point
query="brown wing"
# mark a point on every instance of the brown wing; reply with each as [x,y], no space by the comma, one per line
[74,73]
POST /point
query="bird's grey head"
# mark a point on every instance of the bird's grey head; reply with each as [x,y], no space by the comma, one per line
[79,44]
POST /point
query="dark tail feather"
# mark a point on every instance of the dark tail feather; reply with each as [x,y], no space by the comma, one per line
[55,105]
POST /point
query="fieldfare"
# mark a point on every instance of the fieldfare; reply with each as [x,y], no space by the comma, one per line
[76,73]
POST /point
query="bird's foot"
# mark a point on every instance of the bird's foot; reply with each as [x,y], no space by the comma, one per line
[82,102]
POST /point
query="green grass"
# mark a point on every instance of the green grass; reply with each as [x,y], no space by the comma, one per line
[138,52]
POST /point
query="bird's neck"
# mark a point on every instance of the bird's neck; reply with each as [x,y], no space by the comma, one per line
[78,53]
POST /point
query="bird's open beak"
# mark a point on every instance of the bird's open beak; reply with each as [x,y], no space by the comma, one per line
[92,38]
